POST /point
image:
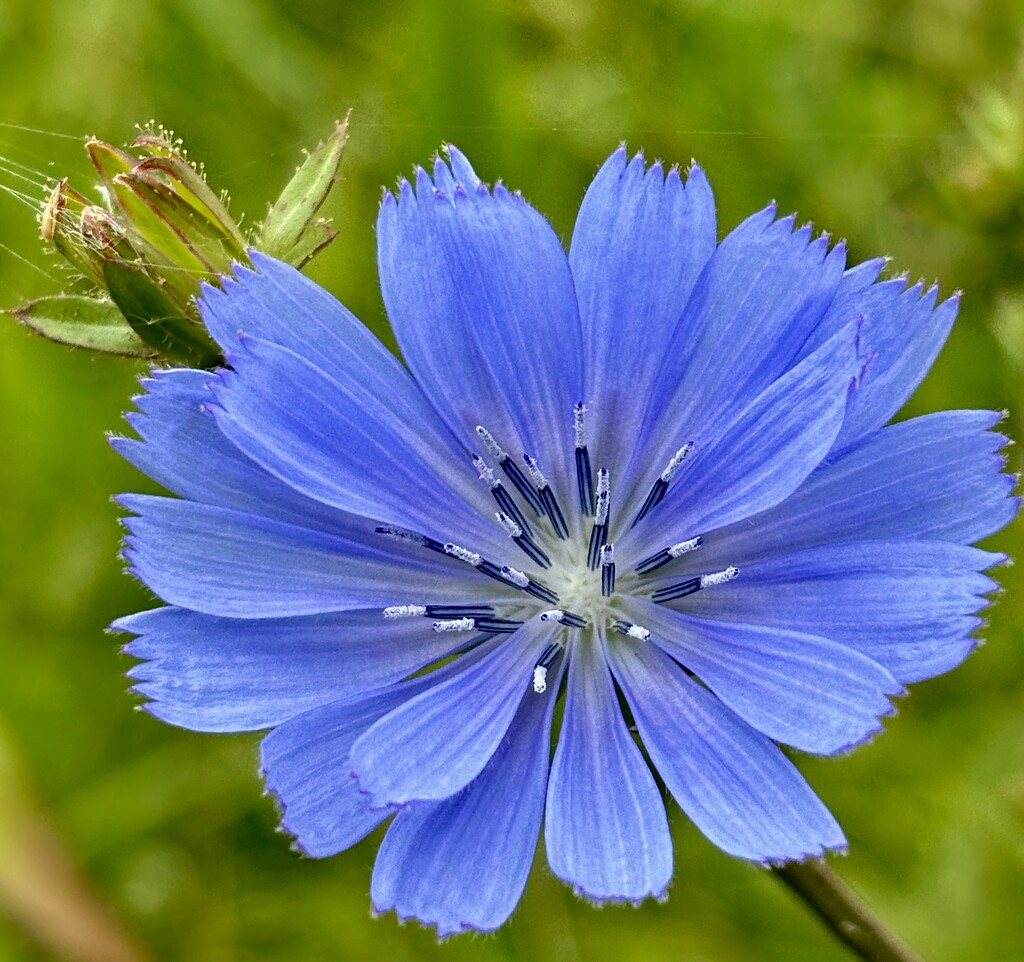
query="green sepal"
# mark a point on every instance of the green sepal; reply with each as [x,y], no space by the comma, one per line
[178,229]
[155,317]
[186,182]
[313,240]
[160,243]
[291,232]
[89,322]
[108,161]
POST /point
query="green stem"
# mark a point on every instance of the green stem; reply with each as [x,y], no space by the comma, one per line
[842,911]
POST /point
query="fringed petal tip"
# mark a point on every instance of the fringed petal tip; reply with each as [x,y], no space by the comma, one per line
[837,850]
[598,901]
[840,847]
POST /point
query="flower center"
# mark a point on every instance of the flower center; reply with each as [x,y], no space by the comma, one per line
[571,580]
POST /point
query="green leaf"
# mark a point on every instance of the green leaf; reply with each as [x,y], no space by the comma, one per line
[291,218]
[88,322]
[157,319]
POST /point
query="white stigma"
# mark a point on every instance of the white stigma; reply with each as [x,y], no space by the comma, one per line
[677,459]
[497,451]
[639,632]
[540,679]
[400,534]
[578,426]
[455,624]
[719,577]
[405,611]
[604,485]
[463,554]
[511,528]
[607,554]
[486,473]
[517,577]
[555,614]
[536,475]
[684,547]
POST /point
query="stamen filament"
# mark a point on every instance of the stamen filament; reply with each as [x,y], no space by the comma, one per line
[633,631]
[664,556]
[584,475]
[543,592]
[660,488]
[540,672]
[459,611]
[554,512]
[411,537]
[547,497]
[499,626]
[607,570]
[600,530]
[503,499]
[563,618]
[533,551]
[511,469]
[515,532]
[584,482]
[692,585]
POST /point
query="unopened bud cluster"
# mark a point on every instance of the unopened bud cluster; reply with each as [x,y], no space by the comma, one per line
[158,233]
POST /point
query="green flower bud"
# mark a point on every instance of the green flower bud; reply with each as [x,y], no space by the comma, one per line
[160,232]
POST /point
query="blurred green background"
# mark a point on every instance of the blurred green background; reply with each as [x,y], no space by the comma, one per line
[897,126]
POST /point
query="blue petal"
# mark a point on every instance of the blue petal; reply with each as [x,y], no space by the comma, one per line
[909,605]
[904,333]
[736,785]
[462,863]
[759,297]
[796,688]
[935,478]
[306,765]
[223,674]
[481,299]
[340,445]
[435,744]
[605,830]
[277,303]
[239,565]
[305,762]
[182,448]
[461,168]
[764,453]
[641,239]
[855,279]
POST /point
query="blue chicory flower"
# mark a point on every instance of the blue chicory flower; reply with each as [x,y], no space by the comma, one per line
[659,465]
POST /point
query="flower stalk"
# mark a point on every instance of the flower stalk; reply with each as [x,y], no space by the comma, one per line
[845,915]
